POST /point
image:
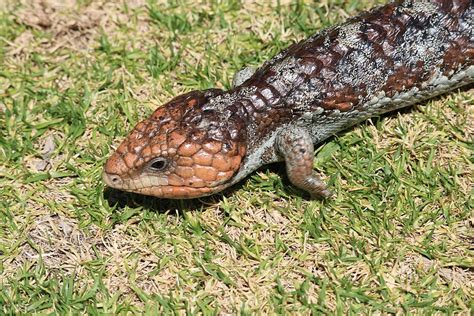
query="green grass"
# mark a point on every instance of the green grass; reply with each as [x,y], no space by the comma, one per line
[396,238]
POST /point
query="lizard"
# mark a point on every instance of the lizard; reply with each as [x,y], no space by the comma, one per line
[387,58]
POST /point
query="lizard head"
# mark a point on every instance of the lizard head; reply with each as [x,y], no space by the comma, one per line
[183,150]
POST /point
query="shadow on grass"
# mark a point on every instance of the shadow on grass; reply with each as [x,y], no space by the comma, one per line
[123,199]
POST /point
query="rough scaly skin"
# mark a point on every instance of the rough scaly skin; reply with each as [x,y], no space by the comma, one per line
[391,57]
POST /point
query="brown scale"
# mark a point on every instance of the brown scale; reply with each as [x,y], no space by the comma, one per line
[459,51]
[405,78]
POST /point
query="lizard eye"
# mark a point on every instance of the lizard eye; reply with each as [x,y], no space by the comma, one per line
[157,164]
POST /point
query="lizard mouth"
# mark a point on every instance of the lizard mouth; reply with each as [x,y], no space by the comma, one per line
[133,184]
[158,187]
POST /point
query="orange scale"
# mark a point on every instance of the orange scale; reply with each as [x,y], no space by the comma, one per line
[139,162]
[175,180]
[202,158]
[221,163]
[156,149]
[188,149]
[116,165]
[185,161]
[130,159]
[222,176]
[180,192]
[195,182]
[168,191]
[172,151]
[205,173]
[212,147]
[146,152]
[235,162]
[184,172]
[123,148]
[175,139]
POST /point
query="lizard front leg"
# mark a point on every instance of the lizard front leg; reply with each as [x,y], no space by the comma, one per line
[296,147]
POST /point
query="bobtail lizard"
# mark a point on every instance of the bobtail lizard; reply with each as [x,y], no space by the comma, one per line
[202,142]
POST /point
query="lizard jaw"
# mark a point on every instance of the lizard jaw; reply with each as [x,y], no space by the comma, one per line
[158,187]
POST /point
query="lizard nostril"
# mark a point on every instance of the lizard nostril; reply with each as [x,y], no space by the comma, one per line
[112,180]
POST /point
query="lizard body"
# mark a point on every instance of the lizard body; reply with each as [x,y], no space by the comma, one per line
[388,58]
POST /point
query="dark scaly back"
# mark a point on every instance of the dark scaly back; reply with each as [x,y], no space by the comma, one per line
[384,52]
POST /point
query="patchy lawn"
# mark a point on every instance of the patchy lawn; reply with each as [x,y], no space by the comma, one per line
[76,77]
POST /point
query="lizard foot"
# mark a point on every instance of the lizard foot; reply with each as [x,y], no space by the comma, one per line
[296,147]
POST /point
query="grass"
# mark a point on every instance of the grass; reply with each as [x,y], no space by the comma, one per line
[75,78]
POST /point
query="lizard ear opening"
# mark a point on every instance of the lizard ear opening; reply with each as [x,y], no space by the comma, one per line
[157,164]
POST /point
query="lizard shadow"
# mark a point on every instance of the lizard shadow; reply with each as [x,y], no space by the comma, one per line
[122,199]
